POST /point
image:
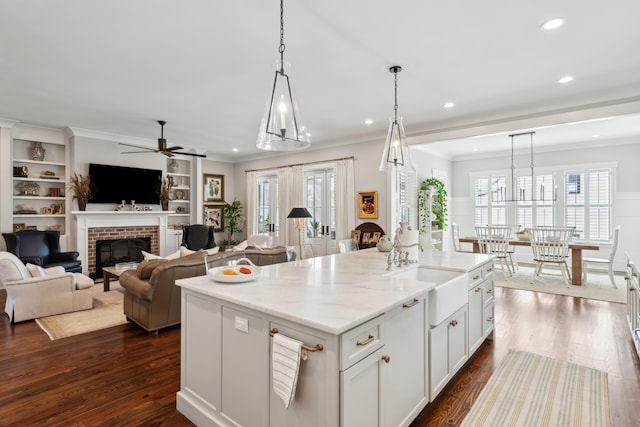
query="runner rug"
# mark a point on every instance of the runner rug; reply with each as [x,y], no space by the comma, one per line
[107,312]
[531,390]
[597,286]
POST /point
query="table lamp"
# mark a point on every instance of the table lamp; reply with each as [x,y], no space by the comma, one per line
[299,216]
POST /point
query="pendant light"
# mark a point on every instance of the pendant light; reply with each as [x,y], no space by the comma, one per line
[396,150]
[524,193]
[282,128]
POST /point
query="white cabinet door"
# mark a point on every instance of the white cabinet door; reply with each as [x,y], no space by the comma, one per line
[405,389]
[447,350]
[438,358]
[458,354]
[174,239]
[360,388]
[476,321]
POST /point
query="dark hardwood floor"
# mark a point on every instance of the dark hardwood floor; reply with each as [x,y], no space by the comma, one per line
[122,377]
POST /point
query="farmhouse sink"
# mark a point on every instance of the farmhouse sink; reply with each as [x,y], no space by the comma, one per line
[447,297]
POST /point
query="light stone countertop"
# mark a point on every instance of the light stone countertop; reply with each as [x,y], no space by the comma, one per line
[332,293]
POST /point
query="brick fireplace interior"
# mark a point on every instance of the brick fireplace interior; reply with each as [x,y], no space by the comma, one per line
[119,233]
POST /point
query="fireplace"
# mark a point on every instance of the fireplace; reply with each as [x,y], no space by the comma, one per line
[112,252]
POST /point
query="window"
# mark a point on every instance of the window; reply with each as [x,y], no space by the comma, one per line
[490,194]
[588,195]
[582,199]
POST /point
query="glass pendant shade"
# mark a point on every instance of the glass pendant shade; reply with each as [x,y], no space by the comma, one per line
[282,127]
[396,149]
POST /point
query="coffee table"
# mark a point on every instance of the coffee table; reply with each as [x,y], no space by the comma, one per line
[112,273]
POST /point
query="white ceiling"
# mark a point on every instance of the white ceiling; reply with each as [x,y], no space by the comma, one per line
[204,66]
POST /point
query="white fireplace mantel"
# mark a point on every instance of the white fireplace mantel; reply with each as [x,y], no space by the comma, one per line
[93,219]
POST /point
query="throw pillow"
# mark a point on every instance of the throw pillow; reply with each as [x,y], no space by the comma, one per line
[146,267]
[241,246]
[213,251]
[35,270]
[184,251]
[147,255]
[54,271]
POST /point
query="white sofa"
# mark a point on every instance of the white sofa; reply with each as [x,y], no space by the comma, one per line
[34,292]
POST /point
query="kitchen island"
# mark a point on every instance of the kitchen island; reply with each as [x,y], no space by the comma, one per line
[371,328]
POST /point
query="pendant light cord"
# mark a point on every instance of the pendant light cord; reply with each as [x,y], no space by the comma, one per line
[282,46]
[395,106]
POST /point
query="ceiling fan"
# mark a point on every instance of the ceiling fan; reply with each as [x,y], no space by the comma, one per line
[162,146]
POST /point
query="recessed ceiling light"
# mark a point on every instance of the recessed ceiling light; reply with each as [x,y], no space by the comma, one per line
[595,135]
[368,122]
[235,150]
[449,105]
[476,149]
[565,79]
[552,24]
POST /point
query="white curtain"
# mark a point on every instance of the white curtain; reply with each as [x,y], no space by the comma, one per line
[345,199]
[251,209]
[290,195]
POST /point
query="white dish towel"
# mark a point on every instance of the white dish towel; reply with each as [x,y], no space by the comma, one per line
[286,355]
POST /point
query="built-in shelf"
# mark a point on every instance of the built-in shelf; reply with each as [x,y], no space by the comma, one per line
[179,170]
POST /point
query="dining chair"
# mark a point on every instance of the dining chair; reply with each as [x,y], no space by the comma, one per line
[494,240]
[455,235]
[551,245]
[608,261]
[511,250]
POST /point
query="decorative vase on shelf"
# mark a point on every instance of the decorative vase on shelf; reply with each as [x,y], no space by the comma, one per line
[172,166]
[82,205]
[37,151]
[165,205]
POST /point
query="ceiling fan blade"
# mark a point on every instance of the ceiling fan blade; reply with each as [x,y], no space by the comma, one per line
[174,148]
[167,153]
[137,146]
[190,154]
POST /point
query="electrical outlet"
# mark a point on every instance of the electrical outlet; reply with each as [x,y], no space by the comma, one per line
[242,324]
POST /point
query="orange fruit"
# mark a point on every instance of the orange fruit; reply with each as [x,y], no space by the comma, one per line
[245,270]
[229,272]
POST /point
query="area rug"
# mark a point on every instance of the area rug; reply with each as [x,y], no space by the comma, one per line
[106,312]
[596,287]
[531,390]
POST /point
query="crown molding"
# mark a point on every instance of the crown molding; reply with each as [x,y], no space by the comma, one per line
[7,123]
[105,136]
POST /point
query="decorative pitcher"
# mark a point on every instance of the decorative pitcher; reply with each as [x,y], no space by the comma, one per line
[384,244]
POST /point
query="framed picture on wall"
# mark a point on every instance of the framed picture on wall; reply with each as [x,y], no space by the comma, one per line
[367,204]
[213,215]
[213,188]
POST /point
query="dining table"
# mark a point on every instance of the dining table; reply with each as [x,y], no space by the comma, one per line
[576,253]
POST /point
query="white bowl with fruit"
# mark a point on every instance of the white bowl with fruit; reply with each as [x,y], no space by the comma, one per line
[236,273]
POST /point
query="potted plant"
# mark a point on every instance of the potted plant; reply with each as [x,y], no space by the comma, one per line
[232,221]
[165,192]
[438,207]
[315,225]
[80,186]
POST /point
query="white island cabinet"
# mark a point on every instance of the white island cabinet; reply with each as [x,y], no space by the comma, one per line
[372,328]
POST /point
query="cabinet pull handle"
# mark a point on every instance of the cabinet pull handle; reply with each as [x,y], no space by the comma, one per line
[489,291]
[476,277]
[410,304]
[386,358]
[478,290]
[489,270]
[368,341]
[453,323]
[490,319]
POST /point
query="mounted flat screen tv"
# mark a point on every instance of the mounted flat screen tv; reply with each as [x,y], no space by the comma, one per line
[112,184]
